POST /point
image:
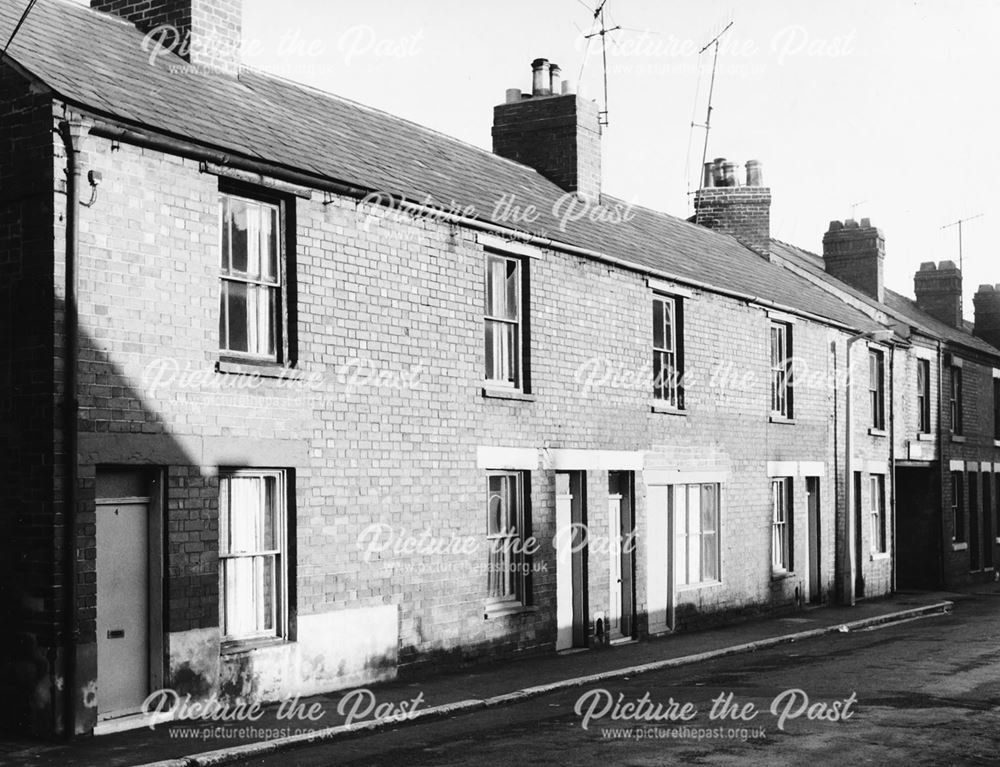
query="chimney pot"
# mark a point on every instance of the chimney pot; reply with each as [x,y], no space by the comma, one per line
[558,137]
[755,173]
[836,226]
[743,212]
[555,73]
[541,80]
[708,176]
[513,95]
[928,266]
[866,223]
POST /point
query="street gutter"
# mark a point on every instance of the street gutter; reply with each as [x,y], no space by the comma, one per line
[329,734]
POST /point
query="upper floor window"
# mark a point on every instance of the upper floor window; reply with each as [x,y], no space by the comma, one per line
[504,315]
[923,396]
[667,352]
[250,296]
[781,354]
[781,524]
[955,401]
[252,519]
[876,387]
[878,520]
[507,537]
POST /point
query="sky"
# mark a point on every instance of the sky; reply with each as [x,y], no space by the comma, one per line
[887,110]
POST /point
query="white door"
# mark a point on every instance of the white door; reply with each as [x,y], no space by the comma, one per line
[658,581]
[615,564]
[122,605]
[564,563]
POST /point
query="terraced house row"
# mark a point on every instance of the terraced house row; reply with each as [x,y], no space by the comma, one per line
[289,403]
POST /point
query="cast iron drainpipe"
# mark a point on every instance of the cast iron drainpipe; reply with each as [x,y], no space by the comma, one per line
[70,132]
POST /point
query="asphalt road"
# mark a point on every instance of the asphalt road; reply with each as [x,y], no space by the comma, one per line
[926,692]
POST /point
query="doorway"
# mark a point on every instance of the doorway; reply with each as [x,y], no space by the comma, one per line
[571,560]
[621,555]
[815,540]
[128,589]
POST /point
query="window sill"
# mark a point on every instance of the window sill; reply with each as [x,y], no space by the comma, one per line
[698,586]
[996,443]
[877,432]
[659,407]
[957,438]
[878,556]
[236,646]
[781,419]
[500,610]
[782,575]
[511,394]
[959,546]
[258,369]
[925,437]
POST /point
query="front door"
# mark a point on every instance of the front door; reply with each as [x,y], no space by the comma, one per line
[815,569]
[620,556]
[975,525]
[122,605]
[659,583]
[571,561]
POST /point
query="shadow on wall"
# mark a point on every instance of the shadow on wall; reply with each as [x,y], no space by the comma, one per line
[33,554]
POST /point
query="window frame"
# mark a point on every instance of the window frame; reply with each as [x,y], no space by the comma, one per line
[683,536]
[876,506]
[668,393]
[781,374]
[955,397]
[996,408]
[958,529]
[521,560]
[286,310]
[876,387]
[923,396]
[520,323]
[782,525]
[280,555]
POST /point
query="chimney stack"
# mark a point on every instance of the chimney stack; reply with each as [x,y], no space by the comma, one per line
[743,212]
[856,255]
[553,130]
[939,291]
[987,305]
[207,33]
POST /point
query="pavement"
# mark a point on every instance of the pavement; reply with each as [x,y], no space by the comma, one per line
[408,702]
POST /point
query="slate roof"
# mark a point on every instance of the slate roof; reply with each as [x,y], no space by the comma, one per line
[96,61]
[896,306]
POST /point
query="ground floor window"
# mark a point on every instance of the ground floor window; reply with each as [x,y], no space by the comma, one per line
[696,533]
[781,524]
[252,522]
[506,535]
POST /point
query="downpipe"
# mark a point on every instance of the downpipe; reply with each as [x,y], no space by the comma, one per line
[71,132]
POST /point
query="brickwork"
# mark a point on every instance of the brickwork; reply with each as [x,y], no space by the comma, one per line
[559,136]
[30,596]
[208,32]
[987,318]
[856,255]
[741,211]
[938,288]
